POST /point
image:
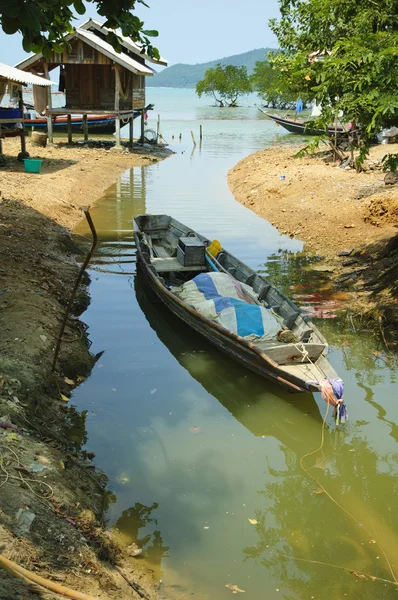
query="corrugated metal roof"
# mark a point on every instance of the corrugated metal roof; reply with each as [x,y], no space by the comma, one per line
[119,57]
[127,42]
[19,76]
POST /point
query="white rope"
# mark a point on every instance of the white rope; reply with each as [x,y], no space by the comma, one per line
[303,352]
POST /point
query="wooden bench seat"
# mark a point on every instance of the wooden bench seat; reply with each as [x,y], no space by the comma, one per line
[166,265]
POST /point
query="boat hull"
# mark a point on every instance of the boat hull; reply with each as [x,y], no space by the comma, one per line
[301,128]
[215,335]
[297,366]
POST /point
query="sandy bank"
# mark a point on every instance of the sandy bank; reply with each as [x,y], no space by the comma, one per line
[318,202]
[71,177]
[52,499]
[331,209]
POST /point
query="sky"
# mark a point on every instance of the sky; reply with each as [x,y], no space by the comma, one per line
[189,31]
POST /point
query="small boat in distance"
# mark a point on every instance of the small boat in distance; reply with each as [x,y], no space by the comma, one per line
[301,127]
[232,306]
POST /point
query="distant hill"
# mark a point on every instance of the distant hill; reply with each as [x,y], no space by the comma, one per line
[187,76]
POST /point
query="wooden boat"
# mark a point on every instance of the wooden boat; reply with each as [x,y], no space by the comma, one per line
[301,127]
[162,250]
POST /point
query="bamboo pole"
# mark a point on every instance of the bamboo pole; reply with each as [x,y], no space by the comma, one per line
[18,571]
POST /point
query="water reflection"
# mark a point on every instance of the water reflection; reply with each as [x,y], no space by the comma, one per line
[127,531]
[294,524]
[297,519]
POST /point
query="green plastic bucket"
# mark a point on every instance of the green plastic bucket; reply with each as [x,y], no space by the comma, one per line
[32,165]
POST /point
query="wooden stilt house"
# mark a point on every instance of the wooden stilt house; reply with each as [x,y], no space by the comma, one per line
[96,79]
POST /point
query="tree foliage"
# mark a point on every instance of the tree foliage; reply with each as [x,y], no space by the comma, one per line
[44,23]
[272,87]
[225,84]
[344,54]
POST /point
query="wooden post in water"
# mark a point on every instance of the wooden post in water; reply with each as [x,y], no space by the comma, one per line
[159,135]
[85,128]
[200,133]
[193,139]
[69,129]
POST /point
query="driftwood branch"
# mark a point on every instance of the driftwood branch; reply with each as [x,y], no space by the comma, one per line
[77,283]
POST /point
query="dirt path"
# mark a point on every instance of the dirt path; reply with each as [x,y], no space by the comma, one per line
[52,498]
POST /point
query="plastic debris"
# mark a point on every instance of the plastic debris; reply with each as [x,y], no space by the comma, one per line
[133,550]
[23,520]
[35,468]
[234,588]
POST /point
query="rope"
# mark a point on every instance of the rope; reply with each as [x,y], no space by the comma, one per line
[25,480]
[304,353]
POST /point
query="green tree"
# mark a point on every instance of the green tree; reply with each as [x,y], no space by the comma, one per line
[225,84]
[344,54]
[44,23]
[272,87]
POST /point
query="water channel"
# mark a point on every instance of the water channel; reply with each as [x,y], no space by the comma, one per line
[194,444]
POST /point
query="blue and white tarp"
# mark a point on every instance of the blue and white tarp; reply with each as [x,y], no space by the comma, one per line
[221,298]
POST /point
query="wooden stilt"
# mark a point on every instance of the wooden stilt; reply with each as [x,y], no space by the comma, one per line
[142,126]
[131,131]
[117,103]
[69,129]
[50,129]
[23,132]
[85,128]
[49,106]
[131,128]
[117,132]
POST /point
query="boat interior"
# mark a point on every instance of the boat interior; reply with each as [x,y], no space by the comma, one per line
[178,254]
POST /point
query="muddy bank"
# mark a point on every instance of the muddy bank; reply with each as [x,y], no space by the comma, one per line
[347,219]
[52,499]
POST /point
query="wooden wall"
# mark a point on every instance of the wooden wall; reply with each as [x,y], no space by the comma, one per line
[92,86]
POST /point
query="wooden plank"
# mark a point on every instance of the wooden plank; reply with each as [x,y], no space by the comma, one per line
[288,354]
[160,252]
[167,265]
